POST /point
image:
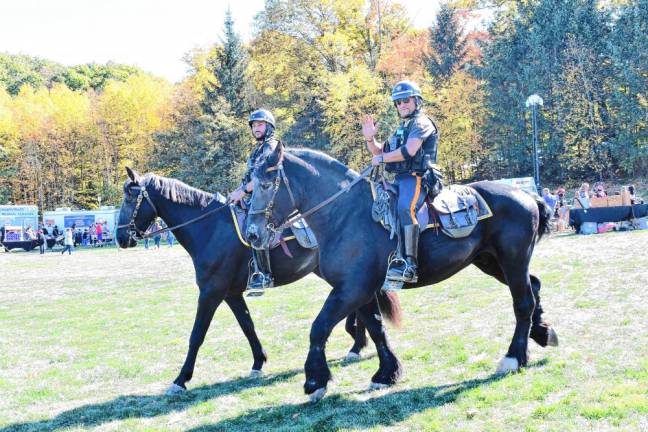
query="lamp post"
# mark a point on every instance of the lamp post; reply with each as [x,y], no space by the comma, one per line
[532,102]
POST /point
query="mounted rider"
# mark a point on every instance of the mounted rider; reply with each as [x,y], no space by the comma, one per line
[409,154]
[262,125]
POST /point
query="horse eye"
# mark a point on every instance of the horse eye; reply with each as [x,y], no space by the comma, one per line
[265,186]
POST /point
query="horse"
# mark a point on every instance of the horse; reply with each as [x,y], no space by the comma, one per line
[220,260]
[354,252]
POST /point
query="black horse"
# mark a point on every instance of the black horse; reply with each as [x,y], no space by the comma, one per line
[220,259]
[354,252]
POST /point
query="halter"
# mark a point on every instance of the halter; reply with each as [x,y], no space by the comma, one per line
[132,230]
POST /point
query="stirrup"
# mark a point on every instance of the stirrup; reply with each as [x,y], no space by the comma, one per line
[398,272]
[257,283]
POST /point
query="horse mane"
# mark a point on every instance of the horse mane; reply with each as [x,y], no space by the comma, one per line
[312,160]
[181,193]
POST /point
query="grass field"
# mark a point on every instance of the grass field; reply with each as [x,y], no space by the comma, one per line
[91,341]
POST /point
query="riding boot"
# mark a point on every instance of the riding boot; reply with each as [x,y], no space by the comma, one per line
[262,276]
[405,269]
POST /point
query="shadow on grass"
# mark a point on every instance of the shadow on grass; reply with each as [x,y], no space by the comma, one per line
[333,413]
[145,406]
[339,412]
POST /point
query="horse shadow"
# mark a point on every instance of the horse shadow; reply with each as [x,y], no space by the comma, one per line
[339,413]
[334,412]
[147,406]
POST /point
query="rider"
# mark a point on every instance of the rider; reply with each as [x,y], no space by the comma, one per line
[262,124]
[408,154]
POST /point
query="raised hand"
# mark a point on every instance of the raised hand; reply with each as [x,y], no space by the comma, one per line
[369,129]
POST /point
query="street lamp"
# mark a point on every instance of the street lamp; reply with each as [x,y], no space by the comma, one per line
[533,101]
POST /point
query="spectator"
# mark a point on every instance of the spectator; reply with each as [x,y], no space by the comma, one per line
[632,193]
[157,237]
[106,233]
[42,241]
[99,230]
[170,238]
[583,195]
[562,211]
[68,241]
[78,238]
[93,235]
[29,233]
[599,190]
[549,198]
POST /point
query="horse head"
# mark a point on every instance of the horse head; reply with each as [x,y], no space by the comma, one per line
[271,203]
[137,211]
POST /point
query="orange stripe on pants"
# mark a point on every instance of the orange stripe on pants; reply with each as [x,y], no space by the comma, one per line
[417,192]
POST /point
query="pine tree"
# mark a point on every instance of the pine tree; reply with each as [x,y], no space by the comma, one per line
[447,44]
[229,66]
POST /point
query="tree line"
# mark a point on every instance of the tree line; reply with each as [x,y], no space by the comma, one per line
[66,133]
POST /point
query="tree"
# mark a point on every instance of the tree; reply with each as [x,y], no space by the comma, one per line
[447,51]
[229,64]
[534,45]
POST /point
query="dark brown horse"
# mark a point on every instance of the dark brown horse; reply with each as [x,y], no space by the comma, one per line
[354,252]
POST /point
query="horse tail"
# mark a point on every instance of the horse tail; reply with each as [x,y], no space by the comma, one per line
[544,227]
[390,307]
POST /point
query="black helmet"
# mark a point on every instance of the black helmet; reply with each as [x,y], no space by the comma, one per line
[262,115]
[405,89]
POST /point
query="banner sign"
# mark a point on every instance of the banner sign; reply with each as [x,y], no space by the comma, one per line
[79,221]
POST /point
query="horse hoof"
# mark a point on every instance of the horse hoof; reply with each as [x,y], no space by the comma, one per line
[175,390]
[506,365]
[256,373]
[317,395]
[552,338]
[377,386]
[351,357]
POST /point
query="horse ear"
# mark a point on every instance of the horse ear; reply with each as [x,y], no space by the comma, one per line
[132,174]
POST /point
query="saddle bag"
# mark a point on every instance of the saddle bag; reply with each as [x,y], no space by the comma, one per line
[457,212]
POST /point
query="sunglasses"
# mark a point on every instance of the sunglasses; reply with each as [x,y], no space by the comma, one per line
[403,101]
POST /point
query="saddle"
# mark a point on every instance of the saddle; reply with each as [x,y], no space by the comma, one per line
[456,210]
[299,231]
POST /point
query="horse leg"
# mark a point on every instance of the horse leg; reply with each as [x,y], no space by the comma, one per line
[236,302]
[356,329]
[339,304]
[390,369]
[519,283]
[207,304]
[541,331]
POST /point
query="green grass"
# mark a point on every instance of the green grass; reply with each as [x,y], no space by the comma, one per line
[91,341]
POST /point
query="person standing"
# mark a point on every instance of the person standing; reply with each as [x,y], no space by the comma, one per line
[68,241]
[157,237]
[42,241]
[99,230]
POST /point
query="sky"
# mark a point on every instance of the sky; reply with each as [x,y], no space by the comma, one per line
[151,34]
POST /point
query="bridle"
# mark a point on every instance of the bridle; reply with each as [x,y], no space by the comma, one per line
[131,228]
[295,216]
[267,210]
